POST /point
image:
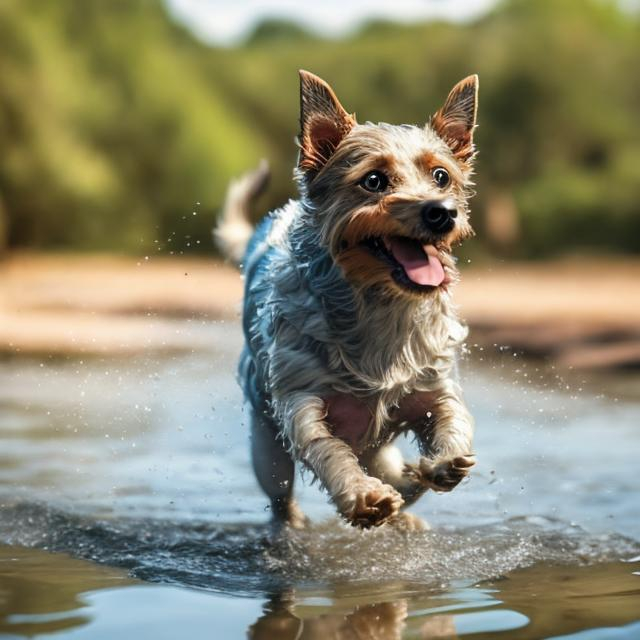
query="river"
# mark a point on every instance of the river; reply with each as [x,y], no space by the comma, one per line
[128,509]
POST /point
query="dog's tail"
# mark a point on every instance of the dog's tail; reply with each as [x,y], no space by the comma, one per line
[234,229]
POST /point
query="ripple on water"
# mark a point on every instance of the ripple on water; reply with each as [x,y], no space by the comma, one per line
[247,560]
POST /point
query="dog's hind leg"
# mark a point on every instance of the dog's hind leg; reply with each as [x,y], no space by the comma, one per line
[274,469]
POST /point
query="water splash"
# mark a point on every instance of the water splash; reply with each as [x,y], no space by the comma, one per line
[247,560]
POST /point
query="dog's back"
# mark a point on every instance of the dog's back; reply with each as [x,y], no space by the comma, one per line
[255,251]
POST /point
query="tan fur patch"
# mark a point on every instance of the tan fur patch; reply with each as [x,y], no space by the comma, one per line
[370,223]
[382,162]
[364,270]
[428,161]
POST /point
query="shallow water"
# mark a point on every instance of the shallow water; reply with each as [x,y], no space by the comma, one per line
[127,506]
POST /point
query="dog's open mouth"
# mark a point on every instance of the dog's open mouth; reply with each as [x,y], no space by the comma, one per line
[414,265]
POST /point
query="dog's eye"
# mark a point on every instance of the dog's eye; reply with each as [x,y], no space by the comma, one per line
[375,181]
[441,177]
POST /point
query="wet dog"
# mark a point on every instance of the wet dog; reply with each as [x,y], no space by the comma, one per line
[351,334]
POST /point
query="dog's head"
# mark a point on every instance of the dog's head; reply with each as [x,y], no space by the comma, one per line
[391,201]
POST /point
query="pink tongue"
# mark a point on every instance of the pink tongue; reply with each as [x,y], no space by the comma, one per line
[419,267]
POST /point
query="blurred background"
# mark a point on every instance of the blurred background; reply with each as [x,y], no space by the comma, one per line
[122,121]
[118,117]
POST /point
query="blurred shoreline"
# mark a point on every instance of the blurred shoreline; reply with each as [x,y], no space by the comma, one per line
[578,313]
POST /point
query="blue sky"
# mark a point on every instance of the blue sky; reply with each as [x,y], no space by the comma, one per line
[225,23]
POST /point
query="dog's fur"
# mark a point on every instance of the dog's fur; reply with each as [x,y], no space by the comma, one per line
[344,351]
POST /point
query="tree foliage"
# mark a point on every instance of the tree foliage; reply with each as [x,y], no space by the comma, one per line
[115,121]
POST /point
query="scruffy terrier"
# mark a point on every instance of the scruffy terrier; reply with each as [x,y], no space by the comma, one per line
[351,335]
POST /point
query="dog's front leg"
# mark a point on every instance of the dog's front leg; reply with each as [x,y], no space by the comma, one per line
[446,441]
[388,464]
[363,500]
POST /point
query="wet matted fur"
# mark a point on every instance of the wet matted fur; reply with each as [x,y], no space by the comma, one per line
[351,334]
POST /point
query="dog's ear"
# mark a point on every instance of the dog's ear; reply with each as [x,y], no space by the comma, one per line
[456,120]
[323,122]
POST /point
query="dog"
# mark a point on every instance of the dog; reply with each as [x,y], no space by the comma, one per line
[351,333]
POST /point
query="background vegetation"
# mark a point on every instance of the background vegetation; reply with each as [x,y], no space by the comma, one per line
[116,125]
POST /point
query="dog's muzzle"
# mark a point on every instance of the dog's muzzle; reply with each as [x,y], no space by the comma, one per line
[438,216]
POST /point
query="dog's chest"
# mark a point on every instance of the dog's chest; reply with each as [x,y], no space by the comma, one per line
[350,418]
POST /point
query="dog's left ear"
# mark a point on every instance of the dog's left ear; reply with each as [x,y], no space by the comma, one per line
[456,120]
[323,122]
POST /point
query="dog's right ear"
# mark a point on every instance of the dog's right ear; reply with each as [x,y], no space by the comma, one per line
[323,122]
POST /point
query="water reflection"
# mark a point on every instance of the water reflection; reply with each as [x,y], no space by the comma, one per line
[42,591]
[380,620]
[535,602]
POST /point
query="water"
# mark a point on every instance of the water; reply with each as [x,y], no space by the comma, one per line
[128,508]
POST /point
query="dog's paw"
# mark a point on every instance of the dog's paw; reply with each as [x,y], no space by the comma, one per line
[373,504]
[440,475]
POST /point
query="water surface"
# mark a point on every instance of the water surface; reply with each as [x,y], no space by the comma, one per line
[128,507]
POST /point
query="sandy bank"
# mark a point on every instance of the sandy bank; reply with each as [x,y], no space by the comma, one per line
[582,313]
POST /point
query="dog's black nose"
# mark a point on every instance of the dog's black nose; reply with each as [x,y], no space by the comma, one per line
[438,216]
